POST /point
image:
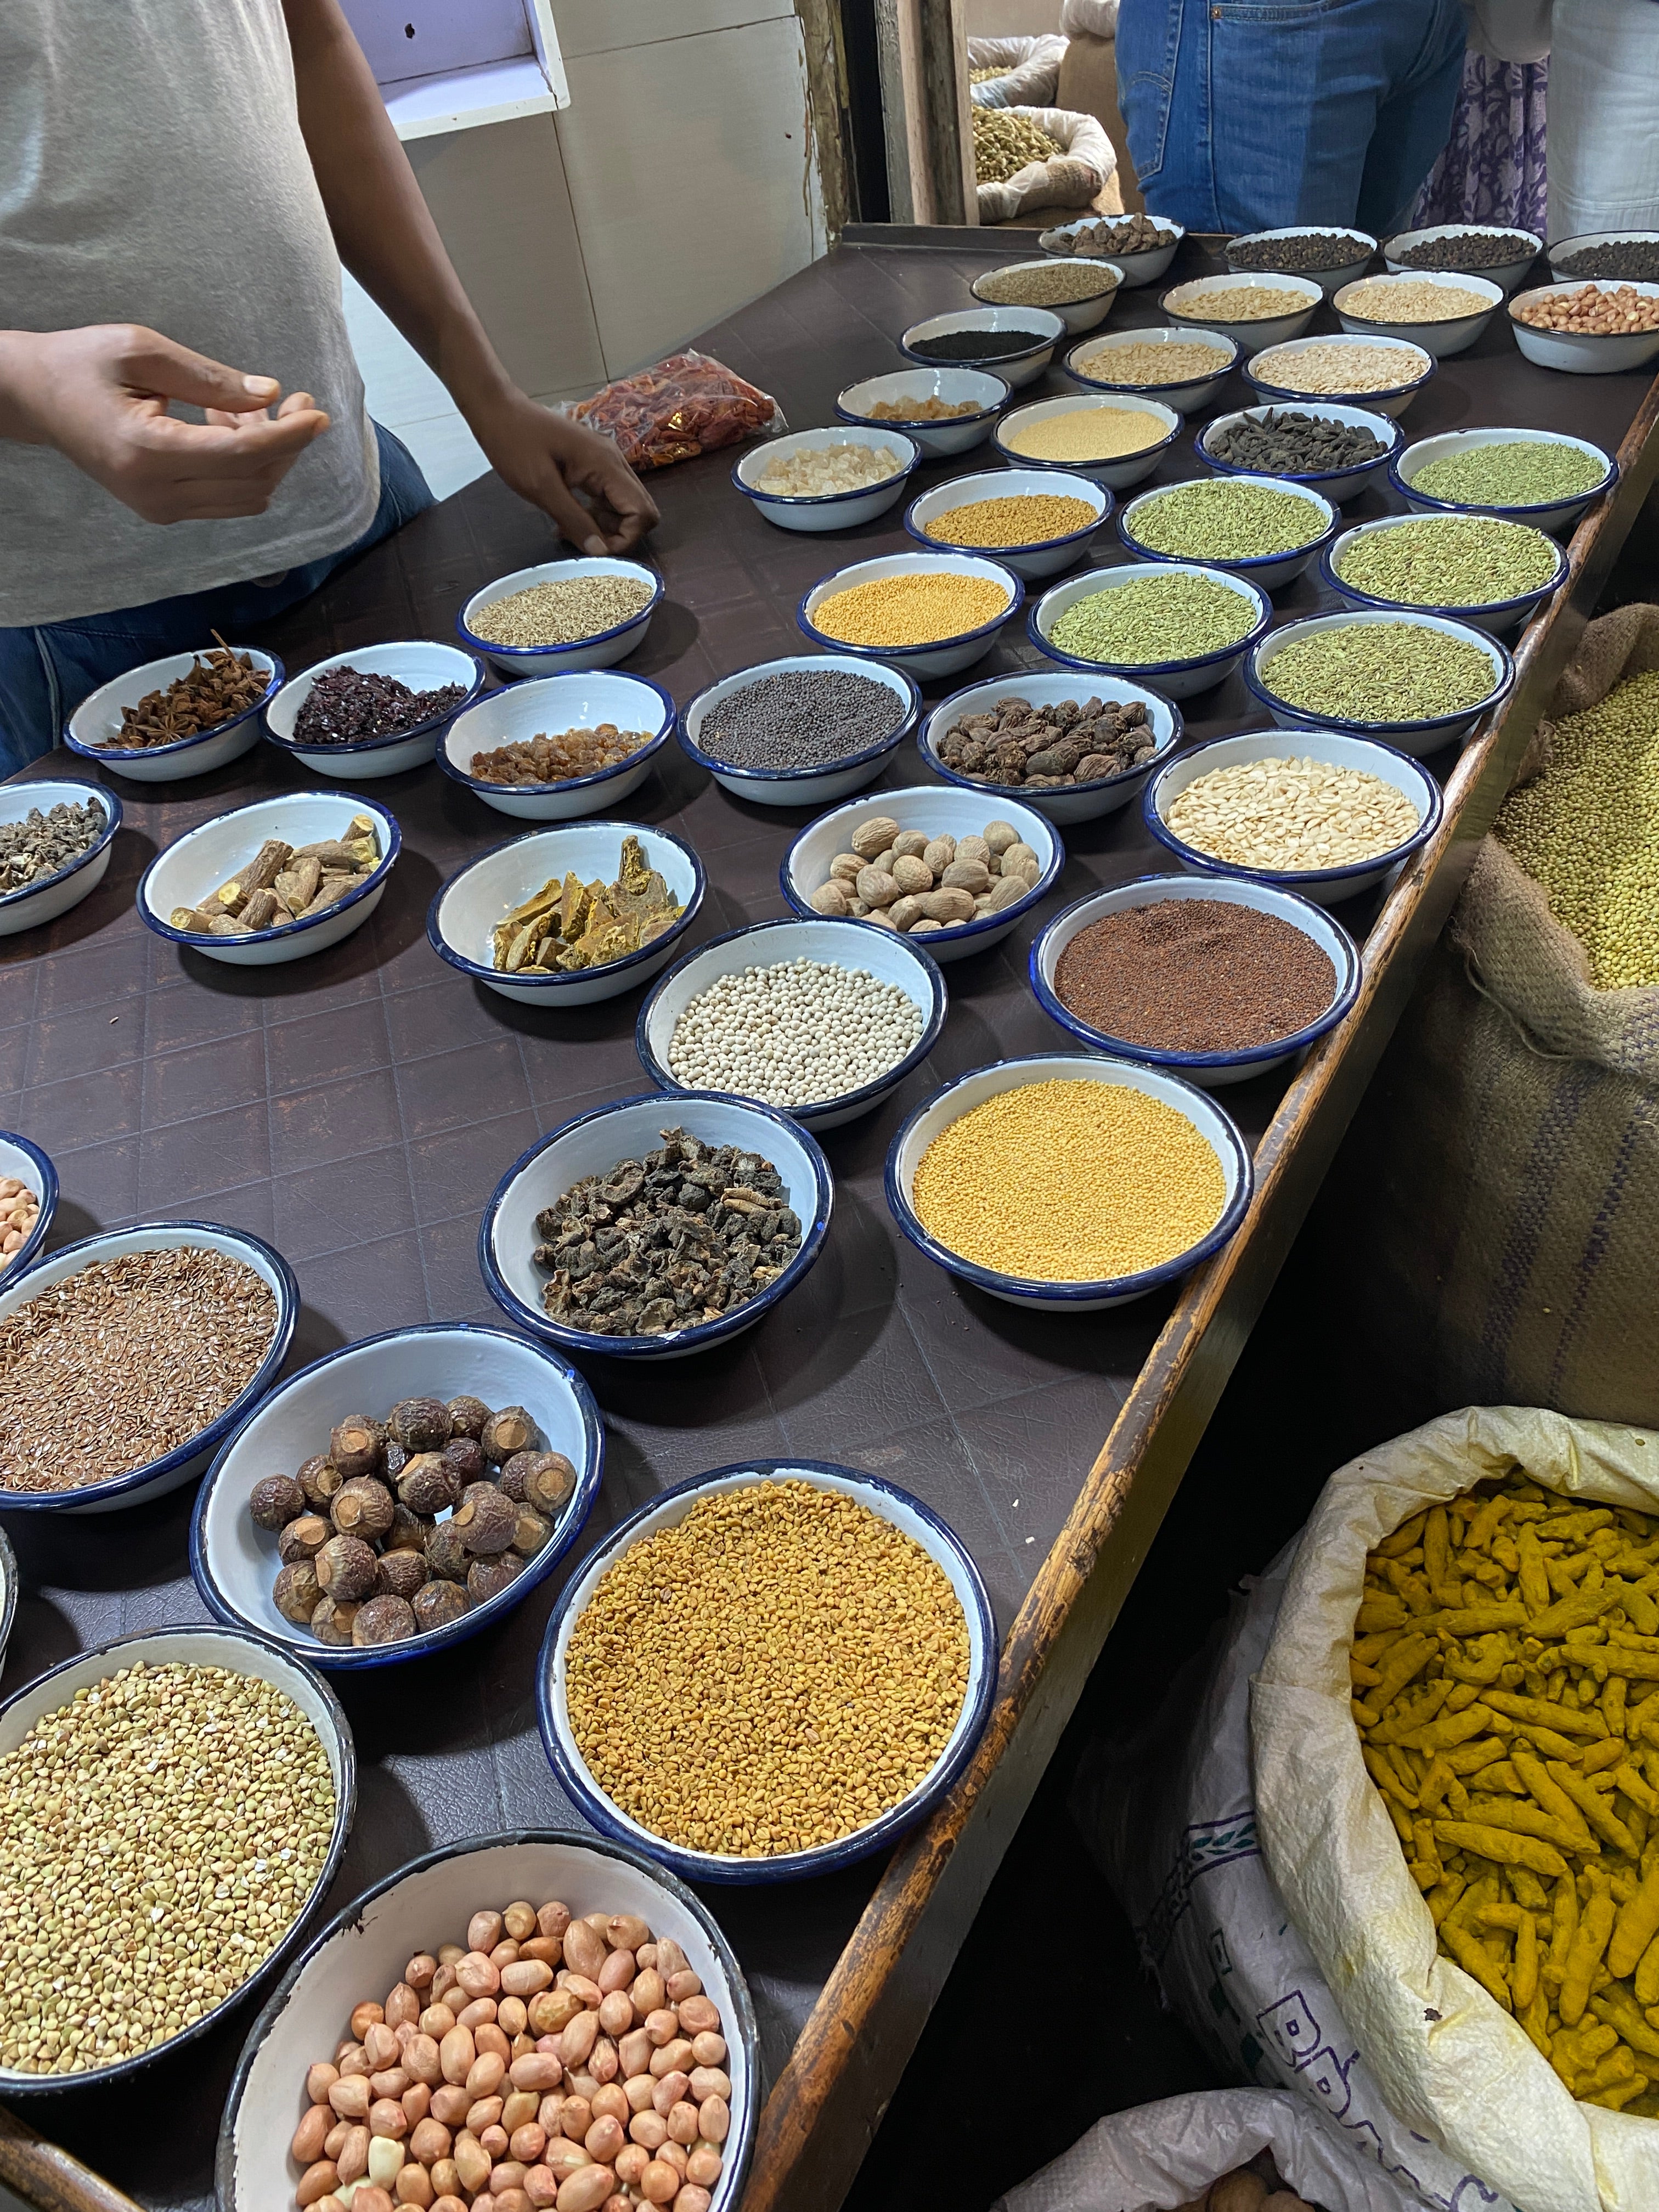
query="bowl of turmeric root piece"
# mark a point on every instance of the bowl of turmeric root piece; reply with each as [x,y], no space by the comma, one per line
[273,881]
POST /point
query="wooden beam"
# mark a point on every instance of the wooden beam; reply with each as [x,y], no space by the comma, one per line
[921,47]
[827,109]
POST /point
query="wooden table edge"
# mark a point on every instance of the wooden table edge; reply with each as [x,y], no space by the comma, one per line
[827,2104]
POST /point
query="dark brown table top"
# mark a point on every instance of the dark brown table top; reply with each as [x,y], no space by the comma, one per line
[357,1108]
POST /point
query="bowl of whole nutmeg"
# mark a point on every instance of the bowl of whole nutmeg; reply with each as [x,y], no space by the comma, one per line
[394,1498]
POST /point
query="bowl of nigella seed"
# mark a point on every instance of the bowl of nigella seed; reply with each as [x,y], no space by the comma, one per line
[802,731]
[376,711]
[1017,343]
[1334,449]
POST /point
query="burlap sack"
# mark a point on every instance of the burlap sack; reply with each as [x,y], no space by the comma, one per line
[1499,1190]
[1451,2062]
[1070,178]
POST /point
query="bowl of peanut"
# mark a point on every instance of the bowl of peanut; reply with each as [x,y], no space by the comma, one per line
[516,2021]
[29,1199]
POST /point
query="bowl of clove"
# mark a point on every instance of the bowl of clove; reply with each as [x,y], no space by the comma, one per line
[176,717]
[273,881]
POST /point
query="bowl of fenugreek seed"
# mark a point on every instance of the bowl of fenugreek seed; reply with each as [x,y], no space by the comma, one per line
[180,716]
[161,1893]
[838,1759]
[129,1357]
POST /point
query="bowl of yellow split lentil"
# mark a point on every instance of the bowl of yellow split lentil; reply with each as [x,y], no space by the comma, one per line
[753,1597]
[929,613]
[1068,1182]
[1118,441]
[1037,521]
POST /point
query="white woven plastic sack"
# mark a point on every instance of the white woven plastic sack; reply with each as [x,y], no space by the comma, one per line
[1089,19]
[1166,2154]
[1031,69]
[1172,1817]
[1449,2059]
[1069,179]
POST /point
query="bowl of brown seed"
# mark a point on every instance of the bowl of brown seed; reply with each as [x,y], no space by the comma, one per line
[129,1356]
[55,844]
[179,717]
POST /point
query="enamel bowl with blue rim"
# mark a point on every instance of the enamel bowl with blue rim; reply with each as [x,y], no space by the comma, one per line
[1272,571]
[1021,364]
[1092,362]
[825,510]
[31,904]
[1143,267]
[420,664]
[1498,617]
[1267,373]
[1337,485]
[975,391]
[235,1564]
[1077,315]
[1117,472]
[94,730]
[1554,515]
[798,787]
[1213,303]
[27,1163]
[1065,802]
[1353,248]
[1506,275]
[1031,558]
[1451,334]
[547,706]
[1420,737]
[941,656]
[893,1505]
[603,650]
[1176,679]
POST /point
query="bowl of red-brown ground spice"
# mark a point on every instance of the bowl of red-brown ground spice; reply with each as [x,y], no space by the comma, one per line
[1220,978]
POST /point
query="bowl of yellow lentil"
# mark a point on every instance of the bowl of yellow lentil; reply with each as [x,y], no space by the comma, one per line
[1118,442]
[1037,520]
[1184,369]
[259,1733]
[1068,1182]
[789,1573]
[928,613]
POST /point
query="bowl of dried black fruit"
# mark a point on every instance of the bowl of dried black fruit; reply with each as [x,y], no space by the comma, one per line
[570,1245]
[375,711]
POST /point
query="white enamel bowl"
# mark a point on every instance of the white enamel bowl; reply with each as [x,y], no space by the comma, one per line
[183,1464]
[603,650]
[1205,304]
[1211,1069]
[1330,886]
[237,1654]
[952,434]
[93,729]
[235,1564]
[860,945]
[1272,571]
[829,510]
[942,657]
[1143,267]
[1091,364]
[1163,424]
[1176,679]
[1328,280]
[543,705]
[1506,275]
[1077,315]
[1564,249]
[898,1506]
[1584,353]
[8,1589]
[1016,368]
[1456,334]
[627,1129]
[429,1901]
[1060,803]
[34,903]
[807,786]
[1264,372]
[1045,557]
[1544,514]
[466,910]
[33,1168]
[937,809]
[1337,485]
[193,868]
[420,663]
[1417,738]
[932,1119]
[1498,617]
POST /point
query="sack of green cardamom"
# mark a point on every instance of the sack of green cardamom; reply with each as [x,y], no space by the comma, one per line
[1037,157]
[1499,1189]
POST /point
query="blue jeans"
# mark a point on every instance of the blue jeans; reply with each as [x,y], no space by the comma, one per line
[1254,115]
[46,672]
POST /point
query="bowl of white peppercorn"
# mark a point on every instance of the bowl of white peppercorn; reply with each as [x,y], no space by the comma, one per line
[365,1967]
[915,856]
[264,1520]
[255,1734]
[29,1199]
[800,731]
[823,1020]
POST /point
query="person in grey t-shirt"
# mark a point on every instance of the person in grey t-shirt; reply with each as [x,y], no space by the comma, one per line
[179,182]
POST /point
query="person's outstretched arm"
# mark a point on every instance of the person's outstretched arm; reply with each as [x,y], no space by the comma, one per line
[388,240]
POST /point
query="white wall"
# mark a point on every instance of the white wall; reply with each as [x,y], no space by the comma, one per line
[1011,19]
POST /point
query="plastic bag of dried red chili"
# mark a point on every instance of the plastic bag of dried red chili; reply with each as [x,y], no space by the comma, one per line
[689,404]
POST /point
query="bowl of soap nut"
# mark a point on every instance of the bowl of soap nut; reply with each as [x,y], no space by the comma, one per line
[590,2112]
[29,1199]
[179,717]
[438,1475]
[274,881]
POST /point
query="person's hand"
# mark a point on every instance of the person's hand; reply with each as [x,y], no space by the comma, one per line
[101,396]
[552,461]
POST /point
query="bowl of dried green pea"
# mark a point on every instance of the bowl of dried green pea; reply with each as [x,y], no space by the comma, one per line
[1419,681]
[846,1564]
[1037,521]
[1068,1182]
[1493,573]
[1540,476]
